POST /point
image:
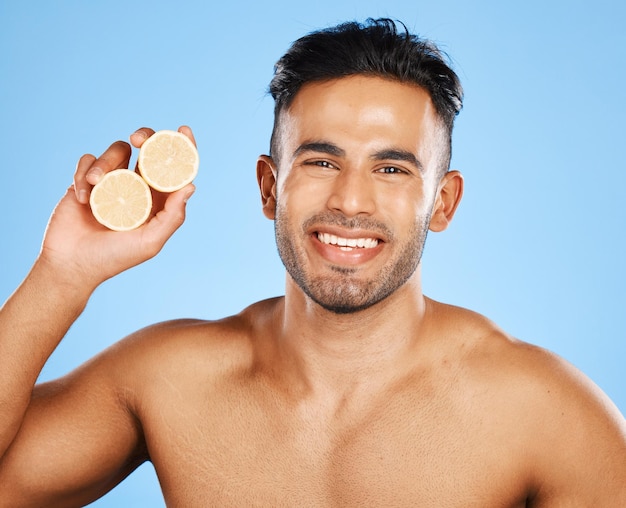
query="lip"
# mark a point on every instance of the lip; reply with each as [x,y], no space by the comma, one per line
[344,255]
[346,232]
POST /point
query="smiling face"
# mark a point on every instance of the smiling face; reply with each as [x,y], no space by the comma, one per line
[355,188]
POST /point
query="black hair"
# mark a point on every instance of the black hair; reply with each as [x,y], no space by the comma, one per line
[374,48]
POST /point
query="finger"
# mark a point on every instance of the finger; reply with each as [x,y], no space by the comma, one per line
[184,129]
[81,187]
[158,201]
[162,226]
[140,135]
[115,157]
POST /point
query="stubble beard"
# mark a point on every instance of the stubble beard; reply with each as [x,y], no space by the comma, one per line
[343,292]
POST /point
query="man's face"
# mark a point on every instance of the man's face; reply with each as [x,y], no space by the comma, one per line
[355,188]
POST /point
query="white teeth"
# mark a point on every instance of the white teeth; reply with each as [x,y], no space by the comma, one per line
[347,243]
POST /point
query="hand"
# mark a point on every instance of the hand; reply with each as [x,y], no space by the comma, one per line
[81,250]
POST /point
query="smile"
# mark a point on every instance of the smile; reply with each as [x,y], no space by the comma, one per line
[347,244]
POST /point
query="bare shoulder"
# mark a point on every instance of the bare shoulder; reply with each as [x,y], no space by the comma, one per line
[538,376]
[188,347]
[99,422]
[573,435]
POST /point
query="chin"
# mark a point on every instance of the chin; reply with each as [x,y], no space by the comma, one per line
[344,298]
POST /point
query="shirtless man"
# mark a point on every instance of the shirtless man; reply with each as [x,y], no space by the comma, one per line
[353,389]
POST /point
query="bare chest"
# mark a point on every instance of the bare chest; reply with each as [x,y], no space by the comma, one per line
[398,454]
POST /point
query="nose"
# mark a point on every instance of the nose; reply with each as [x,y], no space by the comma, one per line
[352,193]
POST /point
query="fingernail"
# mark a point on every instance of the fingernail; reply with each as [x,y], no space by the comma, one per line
[95,172]
[140,133]
[83,196]
[188,194]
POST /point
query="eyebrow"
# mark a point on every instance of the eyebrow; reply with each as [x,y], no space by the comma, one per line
[320,147]
[398,155]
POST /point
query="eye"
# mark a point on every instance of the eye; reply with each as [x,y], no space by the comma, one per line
[391,170]
[321,164]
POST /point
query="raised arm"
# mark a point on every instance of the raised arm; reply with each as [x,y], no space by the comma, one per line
[77,255]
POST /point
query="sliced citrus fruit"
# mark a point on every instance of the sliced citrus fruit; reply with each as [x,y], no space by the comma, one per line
[121,201]
[168,161]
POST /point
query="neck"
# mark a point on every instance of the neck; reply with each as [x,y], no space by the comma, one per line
[343,353]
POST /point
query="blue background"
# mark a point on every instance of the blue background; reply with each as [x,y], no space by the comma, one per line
[537,244]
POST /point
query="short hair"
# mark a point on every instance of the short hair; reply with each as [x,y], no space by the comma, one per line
[374,48]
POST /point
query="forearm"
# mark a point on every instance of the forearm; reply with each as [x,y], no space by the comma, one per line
[32,323]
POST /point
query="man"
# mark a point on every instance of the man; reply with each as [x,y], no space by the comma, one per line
[353,389]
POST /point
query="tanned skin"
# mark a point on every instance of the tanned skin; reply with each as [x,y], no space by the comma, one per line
[405,402]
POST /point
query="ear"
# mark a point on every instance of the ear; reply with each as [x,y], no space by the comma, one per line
[449,193]
[266,177]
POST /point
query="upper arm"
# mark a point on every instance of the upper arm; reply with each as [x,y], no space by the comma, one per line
[79,438]
[582,441]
